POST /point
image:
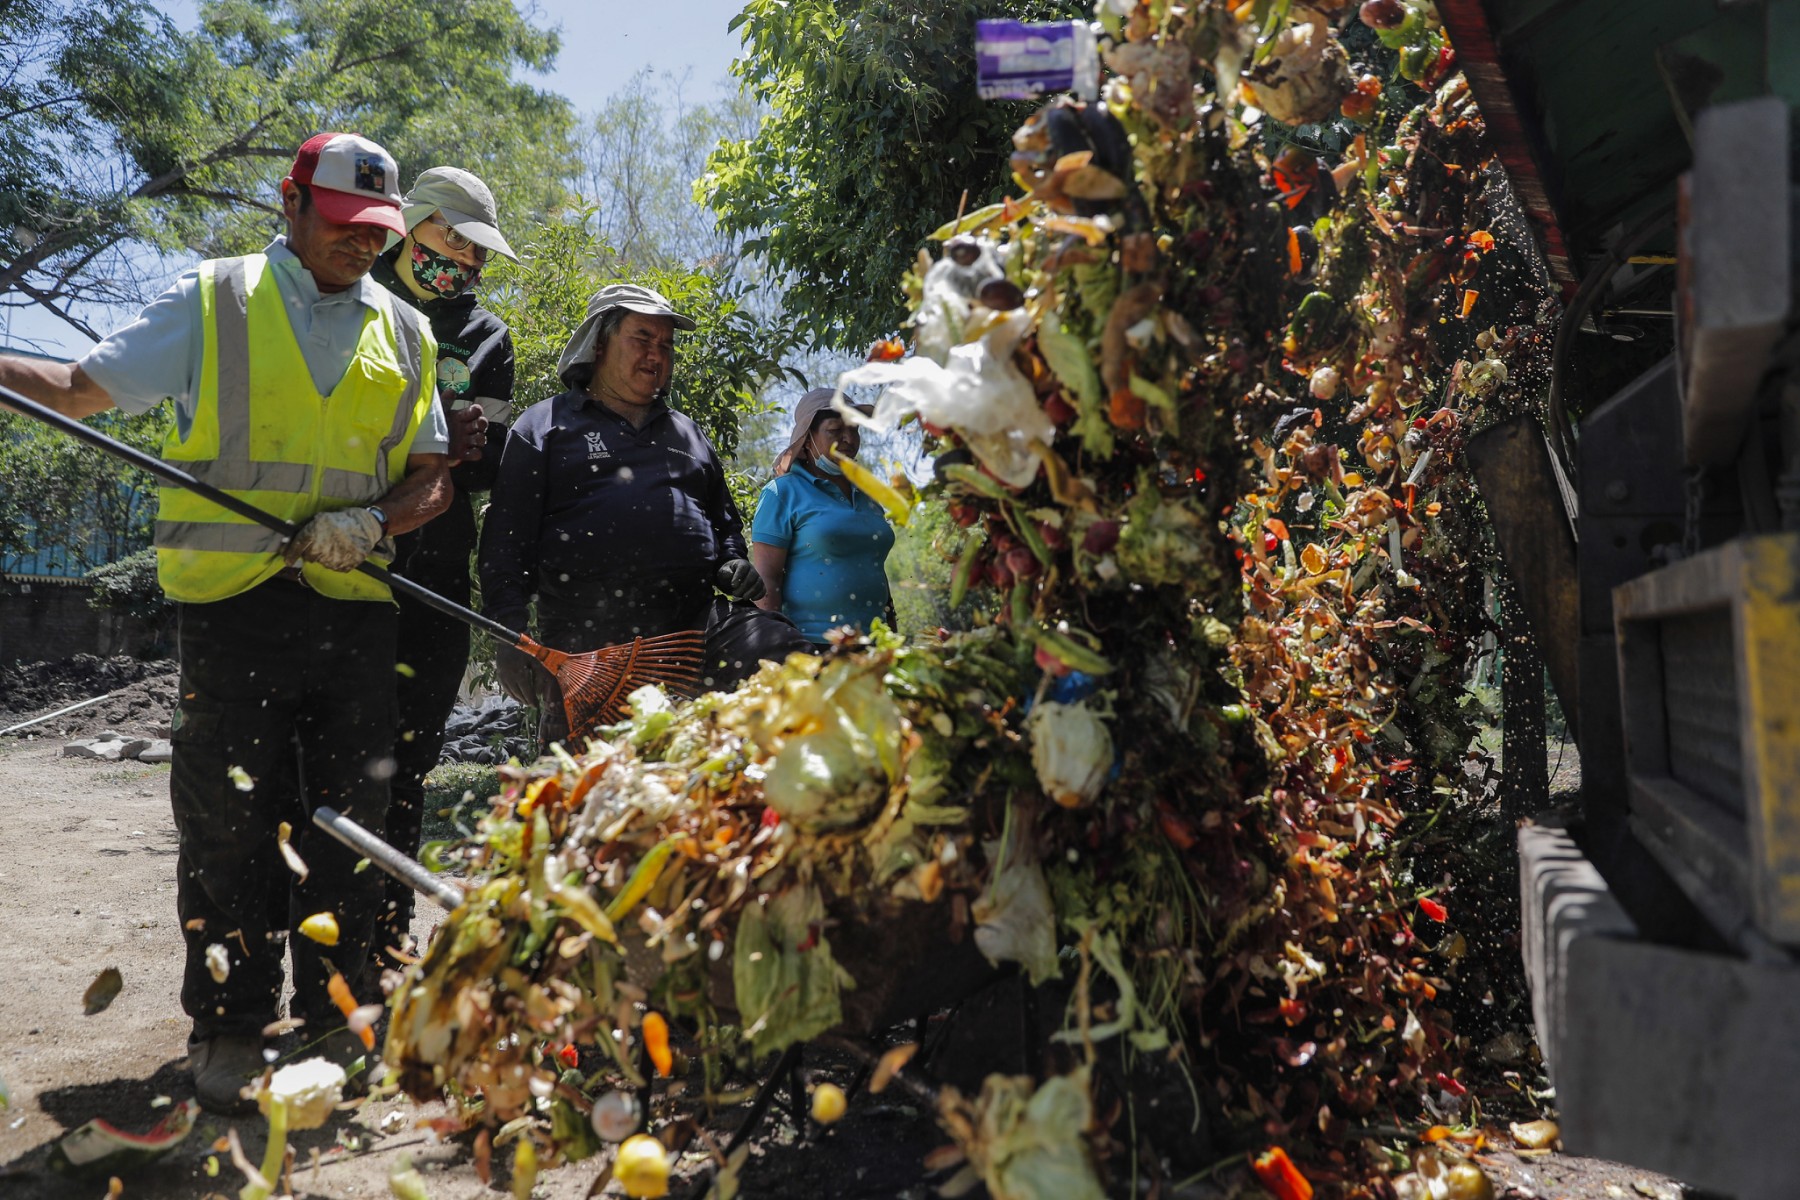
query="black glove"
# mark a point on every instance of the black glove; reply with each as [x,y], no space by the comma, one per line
[518,673]
[739,579]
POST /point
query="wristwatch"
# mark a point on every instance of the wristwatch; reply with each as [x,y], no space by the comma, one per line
[379,516]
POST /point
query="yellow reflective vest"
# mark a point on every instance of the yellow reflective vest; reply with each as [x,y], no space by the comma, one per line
[262,432]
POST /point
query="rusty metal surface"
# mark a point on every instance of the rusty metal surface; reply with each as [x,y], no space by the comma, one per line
[1518,485]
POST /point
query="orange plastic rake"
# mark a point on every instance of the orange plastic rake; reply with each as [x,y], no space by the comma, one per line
[594,684]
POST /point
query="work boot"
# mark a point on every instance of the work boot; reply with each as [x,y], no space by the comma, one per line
[222,1067]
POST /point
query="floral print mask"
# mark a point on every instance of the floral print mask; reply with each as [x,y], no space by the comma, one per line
[441,274]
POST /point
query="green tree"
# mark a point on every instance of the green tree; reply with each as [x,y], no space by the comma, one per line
[641,153]
[872,132]
[720,367]
[56,493]
[120,132]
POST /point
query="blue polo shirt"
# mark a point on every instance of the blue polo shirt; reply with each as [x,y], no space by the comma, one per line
[837,548]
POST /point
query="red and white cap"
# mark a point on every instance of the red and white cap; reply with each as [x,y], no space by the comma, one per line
[354,181]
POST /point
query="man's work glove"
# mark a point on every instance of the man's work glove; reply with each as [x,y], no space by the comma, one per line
[337,541]
[518,674]
[739,579]
[468,434]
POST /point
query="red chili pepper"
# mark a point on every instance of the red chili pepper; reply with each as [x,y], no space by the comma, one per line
[1433,909]
[1453,1086]
[770,818]
[569,1056]
[1277,1172]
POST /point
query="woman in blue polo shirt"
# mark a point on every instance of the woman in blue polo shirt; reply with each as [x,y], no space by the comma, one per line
[820,543]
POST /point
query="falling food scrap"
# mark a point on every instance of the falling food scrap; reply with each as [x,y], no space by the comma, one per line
[100,1146]
[240,779]
[283,838]
[890,1065]
[828,1103]
[103,991]
[322,928]
[218,962]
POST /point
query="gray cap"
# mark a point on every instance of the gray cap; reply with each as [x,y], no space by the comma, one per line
[465,202]
[579,353]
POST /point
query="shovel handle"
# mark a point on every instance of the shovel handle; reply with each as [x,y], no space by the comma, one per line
[442,892]
[225,500]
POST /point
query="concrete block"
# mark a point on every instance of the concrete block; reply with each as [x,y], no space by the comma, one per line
[105,751]
[1734,288]
[1657,1052]
[1668,1054]
[1563,900]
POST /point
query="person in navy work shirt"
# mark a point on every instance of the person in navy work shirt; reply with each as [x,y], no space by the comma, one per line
[611,513]
[819,543]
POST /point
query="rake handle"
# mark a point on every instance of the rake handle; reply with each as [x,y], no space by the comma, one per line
[181,479]
[410,871]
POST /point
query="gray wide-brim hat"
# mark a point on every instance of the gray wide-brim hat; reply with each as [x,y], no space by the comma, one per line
[806,411]
[465,202]
[577,361]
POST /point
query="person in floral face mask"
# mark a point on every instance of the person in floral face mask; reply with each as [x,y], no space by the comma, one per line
[453,231]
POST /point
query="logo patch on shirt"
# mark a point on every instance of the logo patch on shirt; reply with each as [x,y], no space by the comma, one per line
[596,447]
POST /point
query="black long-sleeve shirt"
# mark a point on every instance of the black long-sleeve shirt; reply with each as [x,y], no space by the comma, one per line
[584,500]
[475,364]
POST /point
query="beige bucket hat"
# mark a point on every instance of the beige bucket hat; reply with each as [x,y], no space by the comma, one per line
[577,358]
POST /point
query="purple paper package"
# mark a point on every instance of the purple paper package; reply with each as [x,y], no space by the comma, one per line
[1023,60]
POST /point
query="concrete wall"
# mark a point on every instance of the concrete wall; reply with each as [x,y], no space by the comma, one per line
[45,621]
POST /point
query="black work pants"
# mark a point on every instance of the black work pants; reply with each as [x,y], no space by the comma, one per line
[287,703]
[433,651]
[740,637]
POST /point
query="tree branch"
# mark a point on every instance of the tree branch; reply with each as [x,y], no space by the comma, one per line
[42,104]
[45,300]
[187,189]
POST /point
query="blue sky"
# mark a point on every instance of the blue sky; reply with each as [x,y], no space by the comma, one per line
[605,42]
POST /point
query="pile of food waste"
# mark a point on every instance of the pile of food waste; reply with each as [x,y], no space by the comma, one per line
[1197,398]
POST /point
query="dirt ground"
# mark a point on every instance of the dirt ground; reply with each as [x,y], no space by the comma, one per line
[87,881]
[138,696]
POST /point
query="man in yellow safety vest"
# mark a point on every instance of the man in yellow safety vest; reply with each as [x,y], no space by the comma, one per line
[301,387]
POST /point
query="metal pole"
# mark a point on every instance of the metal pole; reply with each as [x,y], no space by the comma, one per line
[59,712]
[442,892]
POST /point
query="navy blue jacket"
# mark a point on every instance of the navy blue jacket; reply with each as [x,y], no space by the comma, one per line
[583,499]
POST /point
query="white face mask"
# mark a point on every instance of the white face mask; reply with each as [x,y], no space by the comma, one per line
[828,465]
